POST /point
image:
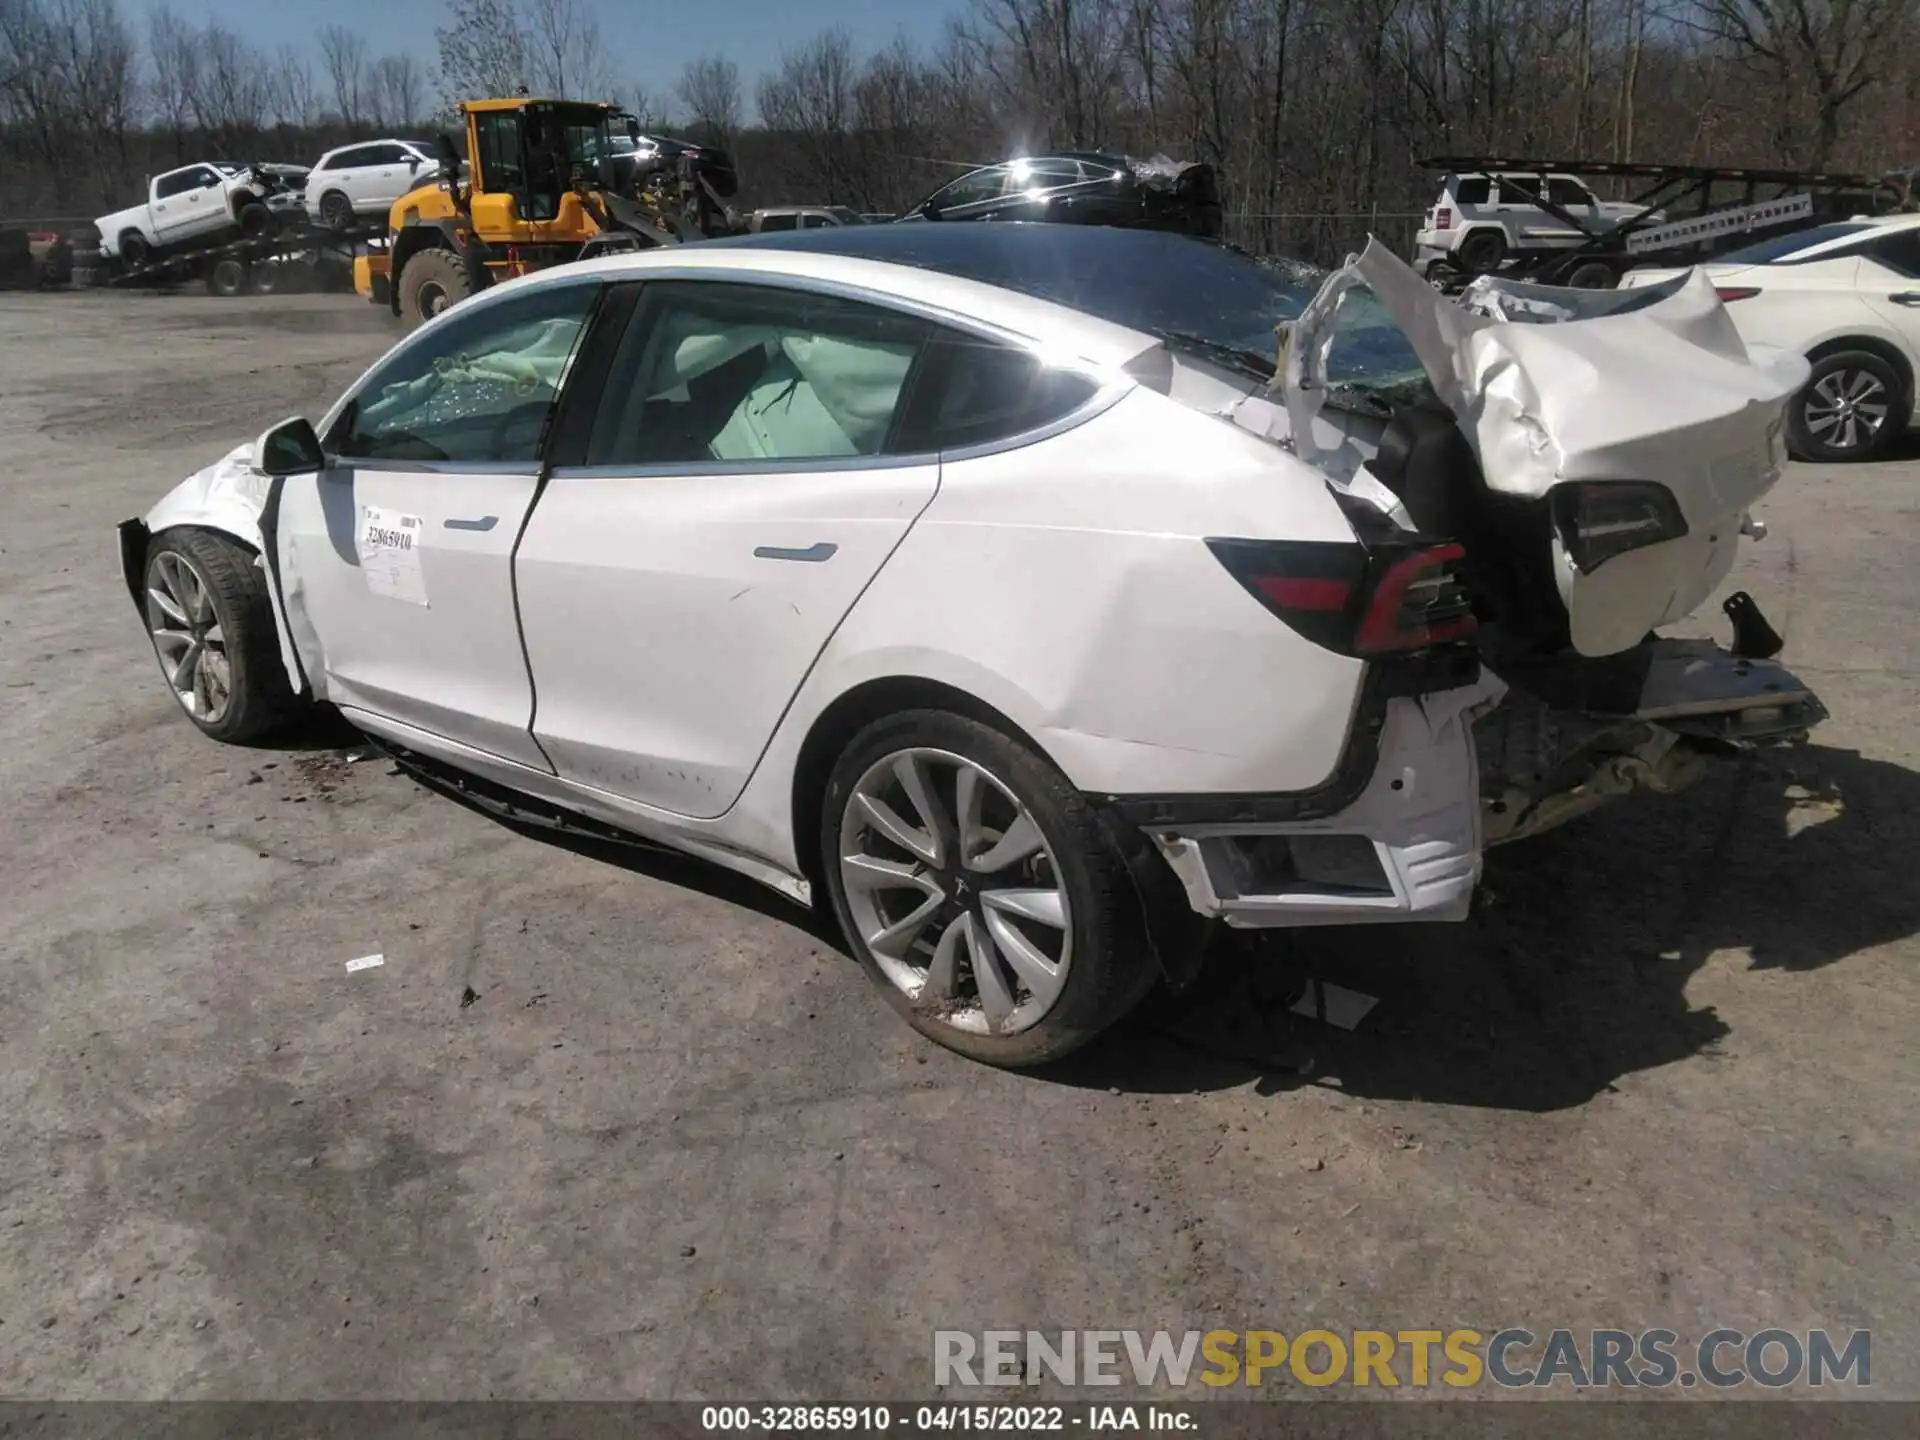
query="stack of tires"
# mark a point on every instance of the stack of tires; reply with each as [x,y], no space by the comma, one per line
[18,269]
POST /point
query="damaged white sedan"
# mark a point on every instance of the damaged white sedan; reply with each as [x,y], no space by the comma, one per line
[986,585]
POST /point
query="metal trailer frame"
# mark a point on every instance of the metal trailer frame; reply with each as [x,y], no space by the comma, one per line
[246,264]
[1759,192]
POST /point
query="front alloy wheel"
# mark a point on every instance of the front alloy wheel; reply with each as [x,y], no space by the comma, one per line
[188,638]
[979,890]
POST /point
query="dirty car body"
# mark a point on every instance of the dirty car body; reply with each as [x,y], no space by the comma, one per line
[1029,595]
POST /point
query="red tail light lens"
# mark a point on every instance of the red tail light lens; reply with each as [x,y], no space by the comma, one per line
[1443,219]
[1729,293]
[1347,598]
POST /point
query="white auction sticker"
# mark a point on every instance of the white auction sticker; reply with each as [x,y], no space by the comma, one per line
[390,554]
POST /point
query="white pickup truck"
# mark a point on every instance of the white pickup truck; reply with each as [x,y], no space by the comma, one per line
[200,203]
[1481,219]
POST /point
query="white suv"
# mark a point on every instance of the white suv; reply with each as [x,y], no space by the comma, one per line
[365,179]
[1481,219]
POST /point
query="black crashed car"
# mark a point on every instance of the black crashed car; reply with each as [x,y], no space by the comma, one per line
[1083,187]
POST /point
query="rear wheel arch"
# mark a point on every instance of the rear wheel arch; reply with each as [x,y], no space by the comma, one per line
[1872,345]
[850,713]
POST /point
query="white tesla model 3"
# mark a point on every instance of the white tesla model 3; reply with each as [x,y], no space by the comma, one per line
[1032,597]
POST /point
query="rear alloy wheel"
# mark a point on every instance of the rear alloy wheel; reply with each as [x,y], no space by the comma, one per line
[1481,251]
[336,210]
[430,282]
[1851,409]
[212,630]
[976,889]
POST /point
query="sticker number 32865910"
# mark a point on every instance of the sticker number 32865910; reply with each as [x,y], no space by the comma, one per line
[389,544]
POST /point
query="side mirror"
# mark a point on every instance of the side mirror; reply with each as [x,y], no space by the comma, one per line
[449,152]
[413,163]
[289,448]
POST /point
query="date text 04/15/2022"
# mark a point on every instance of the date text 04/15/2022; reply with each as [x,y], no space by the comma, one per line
[943,1419]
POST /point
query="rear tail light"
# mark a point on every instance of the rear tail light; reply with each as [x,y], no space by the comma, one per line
[1354,600]
[1730,293]
[1443,218]
[1598,520]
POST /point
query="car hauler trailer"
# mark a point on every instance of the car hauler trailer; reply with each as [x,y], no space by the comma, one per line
[1678,215]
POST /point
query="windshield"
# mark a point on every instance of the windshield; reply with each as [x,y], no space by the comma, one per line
[1781,246]
[1209,298]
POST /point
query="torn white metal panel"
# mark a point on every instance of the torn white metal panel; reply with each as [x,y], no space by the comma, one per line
[1663,392]
[229,496]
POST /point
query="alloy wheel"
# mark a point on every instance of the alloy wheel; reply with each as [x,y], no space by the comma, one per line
[955,891]
[1846,409]
[187,637]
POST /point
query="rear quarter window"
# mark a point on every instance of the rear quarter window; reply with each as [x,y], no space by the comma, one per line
[974,391]
[1473,192]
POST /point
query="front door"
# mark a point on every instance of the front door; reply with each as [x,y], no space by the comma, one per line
[398,556]
[187,203]
[742,484]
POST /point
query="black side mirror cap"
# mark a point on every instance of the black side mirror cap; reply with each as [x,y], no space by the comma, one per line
[289,448]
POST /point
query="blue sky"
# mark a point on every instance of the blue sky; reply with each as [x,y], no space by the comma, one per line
[659,36]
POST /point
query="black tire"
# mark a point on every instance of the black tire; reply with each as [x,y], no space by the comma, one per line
[431,281]
[135,250]
[336,211]
[1864,380]
[227,277]
[1481,251]
[264,278]
[1592,275]
[1110,966]
[260,699]
[255,219]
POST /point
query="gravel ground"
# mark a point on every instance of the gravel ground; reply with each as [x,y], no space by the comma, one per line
[616,1129]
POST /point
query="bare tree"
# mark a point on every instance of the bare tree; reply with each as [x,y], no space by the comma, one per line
[811,98]
[230,101]
[1835,48]
[344,53]
[292,97]
[563,43]
[483,50]
[173,56]
[709,88]
[398,91]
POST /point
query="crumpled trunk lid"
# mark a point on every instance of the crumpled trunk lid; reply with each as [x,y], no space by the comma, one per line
[1553,386]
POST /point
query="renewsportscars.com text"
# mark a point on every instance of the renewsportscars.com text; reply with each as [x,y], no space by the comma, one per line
[1513,1358]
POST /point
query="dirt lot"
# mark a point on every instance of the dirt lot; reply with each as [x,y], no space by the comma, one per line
[674,1147]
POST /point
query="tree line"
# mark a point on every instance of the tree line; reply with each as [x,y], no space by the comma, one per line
[1313,111]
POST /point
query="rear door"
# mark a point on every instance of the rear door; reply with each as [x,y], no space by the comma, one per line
[1889,280]
[699,541]
[188,202]
[397,558]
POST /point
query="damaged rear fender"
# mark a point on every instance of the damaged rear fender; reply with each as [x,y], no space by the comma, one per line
[230,498]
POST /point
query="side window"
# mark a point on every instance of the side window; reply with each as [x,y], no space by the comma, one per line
[771,223]
[1568,194]
[325,162]
[1899,251]
[499,146]
[173,184]
[1519,190]
[976,391]
[478,389]
[1474,192]
[384,155]
[984,184]
[745,373]
[350,159]
[814,222]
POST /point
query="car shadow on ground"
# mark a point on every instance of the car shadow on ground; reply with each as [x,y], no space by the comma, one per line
[1572,971]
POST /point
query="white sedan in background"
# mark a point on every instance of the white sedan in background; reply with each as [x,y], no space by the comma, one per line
[1846,296]
[975,583]
[364,180]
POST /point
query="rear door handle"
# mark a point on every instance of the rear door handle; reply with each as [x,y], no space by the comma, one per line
[822,550]
[485,522]
[1906,297]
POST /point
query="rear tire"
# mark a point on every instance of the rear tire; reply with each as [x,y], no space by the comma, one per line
[1481,251]
[135,250]
[1072,981]
[211,624]
[1853,407]
[1592,275]
[336,210]
[227,278]
[430,282]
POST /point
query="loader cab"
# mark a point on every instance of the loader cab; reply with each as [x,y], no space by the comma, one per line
[527,155]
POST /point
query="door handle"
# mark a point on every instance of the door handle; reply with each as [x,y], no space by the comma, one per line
[822,550]
[484,522]
[1906,297]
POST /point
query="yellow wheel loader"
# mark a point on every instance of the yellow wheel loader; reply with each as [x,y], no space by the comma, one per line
[542,183]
